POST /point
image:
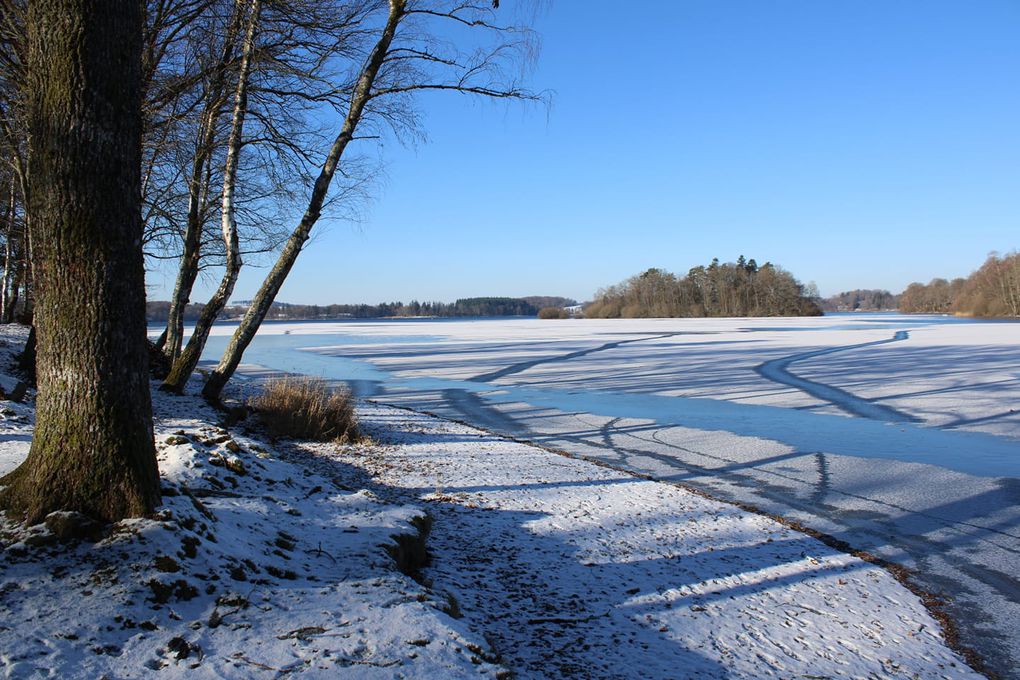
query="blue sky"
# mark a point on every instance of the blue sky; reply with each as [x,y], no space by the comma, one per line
[858,144]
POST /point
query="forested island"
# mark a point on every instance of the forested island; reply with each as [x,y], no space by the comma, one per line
[740,288]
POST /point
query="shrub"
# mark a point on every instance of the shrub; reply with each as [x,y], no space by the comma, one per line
[307,408]
[553,313]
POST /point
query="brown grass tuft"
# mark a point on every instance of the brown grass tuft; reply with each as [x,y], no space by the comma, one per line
[307,408]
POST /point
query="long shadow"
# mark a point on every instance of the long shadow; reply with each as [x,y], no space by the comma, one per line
[748,474]
[523,366]
[866,514]
[557,605]
[958,530]
[777,370]
[532,595]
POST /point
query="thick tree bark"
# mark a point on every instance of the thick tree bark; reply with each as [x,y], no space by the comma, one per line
[92,450]
[185,364]
[263,300]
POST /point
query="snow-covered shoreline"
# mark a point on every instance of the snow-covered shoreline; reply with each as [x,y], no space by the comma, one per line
[556,567]
[254,566]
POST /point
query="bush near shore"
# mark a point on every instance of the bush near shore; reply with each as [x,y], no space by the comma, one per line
[553,313]
[307,408]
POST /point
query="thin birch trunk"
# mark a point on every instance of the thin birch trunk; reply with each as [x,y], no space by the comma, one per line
[185,364]
[191,256]
[6,311]
[27,273]
[263,300]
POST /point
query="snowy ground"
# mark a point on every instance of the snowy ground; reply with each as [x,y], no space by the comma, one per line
[270,560]
[577,570]
[899,435]
[256,565]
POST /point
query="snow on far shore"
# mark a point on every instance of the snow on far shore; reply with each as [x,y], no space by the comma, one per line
[267,561]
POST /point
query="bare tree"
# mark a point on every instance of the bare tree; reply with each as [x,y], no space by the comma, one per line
[213,99]
[407,56]
[13,142]
[12,256]
[92,450]
[189,129]
[185,363]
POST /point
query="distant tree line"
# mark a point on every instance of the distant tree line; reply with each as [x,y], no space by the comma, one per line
[158,311]
[992,290]
[861,300]
[740,288]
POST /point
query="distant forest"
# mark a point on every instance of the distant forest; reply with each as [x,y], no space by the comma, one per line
[992,290]
[861,300]
[157,311]
[740,288]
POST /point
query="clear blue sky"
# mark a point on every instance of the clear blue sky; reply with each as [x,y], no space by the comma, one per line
[858,144]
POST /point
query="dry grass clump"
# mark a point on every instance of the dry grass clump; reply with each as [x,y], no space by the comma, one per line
[307,408]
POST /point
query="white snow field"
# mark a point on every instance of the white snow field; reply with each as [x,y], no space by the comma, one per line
[899,435]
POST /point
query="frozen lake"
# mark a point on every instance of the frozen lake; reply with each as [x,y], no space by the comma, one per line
[897,434]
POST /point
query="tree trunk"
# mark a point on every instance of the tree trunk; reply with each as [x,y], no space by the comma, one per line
[26,275]
[186,275]
[160,341]
[185,364]
[197,192]
[263,300]
[6,311]
[92,450]
[26,360]
[22,264]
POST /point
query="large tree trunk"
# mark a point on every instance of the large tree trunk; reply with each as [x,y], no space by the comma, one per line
[263,300]
[185,364]
[92,450]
